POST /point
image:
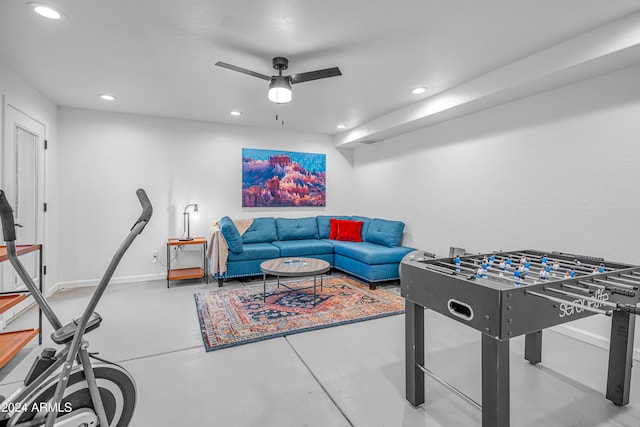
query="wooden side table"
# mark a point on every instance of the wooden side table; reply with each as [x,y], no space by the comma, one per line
[192,272]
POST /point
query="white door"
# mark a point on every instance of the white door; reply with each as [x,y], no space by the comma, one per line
[23,183]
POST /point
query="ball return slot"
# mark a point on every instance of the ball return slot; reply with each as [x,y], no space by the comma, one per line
[460,309]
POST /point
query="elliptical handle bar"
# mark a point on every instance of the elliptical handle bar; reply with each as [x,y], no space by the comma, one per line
[6,214]
[147,209]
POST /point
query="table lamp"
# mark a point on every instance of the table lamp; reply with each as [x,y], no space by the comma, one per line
[186,220]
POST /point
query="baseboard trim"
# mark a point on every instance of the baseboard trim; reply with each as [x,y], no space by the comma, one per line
[114,280]
[591,338]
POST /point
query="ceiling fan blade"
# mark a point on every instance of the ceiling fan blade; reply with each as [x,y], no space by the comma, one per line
[243,70]
[315,75]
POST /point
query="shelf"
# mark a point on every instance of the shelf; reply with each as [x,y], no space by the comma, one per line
[20,250]
[194,241]
[186,273]
[8,301]
[12,342]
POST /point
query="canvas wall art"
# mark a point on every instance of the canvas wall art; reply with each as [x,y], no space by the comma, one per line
[282,178]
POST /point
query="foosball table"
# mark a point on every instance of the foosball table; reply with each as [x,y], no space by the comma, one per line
[509,294]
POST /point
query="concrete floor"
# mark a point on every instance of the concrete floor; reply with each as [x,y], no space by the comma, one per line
[351,375]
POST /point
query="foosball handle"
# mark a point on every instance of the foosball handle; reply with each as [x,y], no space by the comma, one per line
[620,291]
[629,308]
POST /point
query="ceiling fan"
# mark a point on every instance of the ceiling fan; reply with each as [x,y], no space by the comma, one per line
[280,86]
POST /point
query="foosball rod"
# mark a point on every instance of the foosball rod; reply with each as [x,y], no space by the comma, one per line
[512,278]
[610,282]
[563,267]
[615,305]
[571,303]
[489,273]
[587,268]
[582,266]
[633,278]
[612,289]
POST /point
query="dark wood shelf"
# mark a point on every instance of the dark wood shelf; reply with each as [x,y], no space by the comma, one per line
[12,342]
[186,273]
[8,301]
[20,250]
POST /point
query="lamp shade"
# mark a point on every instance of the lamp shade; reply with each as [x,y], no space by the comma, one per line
[280,90]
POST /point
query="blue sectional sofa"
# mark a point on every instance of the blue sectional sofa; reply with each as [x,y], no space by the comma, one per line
[374,259]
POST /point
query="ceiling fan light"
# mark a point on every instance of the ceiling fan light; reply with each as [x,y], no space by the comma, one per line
[280,90]
[45,10]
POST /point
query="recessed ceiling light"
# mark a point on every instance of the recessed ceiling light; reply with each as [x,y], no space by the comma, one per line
[236,113]
[342,126]
[418,90]
[45,10]
[107,97]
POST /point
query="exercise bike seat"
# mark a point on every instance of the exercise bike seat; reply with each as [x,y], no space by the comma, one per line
[66,333]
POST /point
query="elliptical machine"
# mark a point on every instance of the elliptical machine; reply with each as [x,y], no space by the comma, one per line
[71,387]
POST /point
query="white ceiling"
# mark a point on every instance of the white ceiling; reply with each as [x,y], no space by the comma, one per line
[157,56]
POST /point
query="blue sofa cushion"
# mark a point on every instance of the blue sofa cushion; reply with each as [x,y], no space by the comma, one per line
[365,225]
[263,230]
[297,228]
[255,251]
[231,235]
[370,253]
[384,232]
[324,226]
[303,247]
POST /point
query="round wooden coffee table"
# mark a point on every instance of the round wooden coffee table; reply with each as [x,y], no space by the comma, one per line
[293,267]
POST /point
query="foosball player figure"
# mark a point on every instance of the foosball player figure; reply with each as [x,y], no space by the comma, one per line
[457,262]
[601,268]
[569,274]
[507,264]
[492,259]
[544,273]
[527,265]
[516,275]
[544,260]
[481,272]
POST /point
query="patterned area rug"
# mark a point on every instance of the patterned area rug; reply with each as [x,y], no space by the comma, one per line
[230,317]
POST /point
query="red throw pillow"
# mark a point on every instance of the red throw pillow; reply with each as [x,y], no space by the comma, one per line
[350,231]
[333,228]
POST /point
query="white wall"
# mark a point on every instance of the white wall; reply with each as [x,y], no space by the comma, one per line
[556,171]
[105,157]
[21,95]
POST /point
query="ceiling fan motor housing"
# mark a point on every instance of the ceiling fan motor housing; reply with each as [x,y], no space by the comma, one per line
[280,63]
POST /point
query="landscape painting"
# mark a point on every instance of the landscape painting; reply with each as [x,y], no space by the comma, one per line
[282,178]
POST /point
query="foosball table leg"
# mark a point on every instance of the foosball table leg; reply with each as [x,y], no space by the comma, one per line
[533,347]
[620,357]
[414,352]
[495,382]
